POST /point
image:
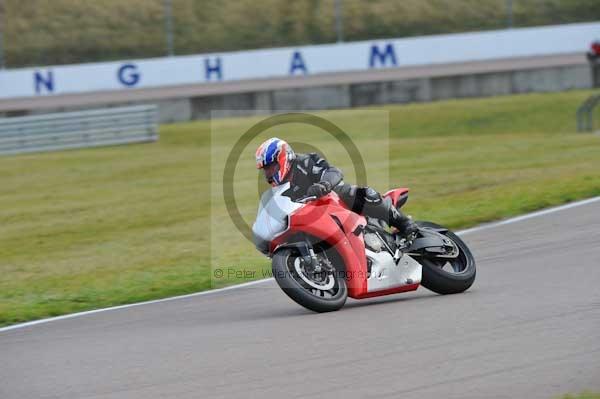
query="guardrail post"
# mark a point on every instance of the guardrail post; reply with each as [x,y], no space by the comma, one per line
[2,28]
[509,14]
[585,114]
[339,20]
[168,8]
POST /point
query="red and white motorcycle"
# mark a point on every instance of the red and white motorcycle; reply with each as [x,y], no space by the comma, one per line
[322,252]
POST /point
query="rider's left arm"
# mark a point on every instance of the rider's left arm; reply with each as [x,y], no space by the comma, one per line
[330,175]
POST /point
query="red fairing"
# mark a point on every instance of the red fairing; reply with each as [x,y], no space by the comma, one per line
[395,194]
[397,290]
[318,221]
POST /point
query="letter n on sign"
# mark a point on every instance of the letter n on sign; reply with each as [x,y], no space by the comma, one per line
[43,82]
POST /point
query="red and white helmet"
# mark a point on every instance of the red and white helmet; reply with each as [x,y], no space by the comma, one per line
[275,156]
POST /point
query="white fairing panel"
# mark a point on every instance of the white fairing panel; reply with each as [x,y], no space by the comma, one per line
[386,274]
[272,216]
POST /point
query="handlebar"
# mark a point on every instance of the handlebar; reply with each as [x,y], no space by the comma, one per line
[304,200]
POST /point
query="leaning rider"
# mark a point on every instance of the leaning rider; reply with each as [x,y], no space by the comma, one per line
[311,175]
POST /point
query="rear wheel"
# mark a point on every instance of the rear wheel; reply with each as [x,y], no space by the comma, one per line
[318,290]
[447,275]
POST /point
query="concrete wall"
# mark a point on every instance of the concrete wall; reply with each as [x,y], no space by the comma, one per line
[374,93]
[393,86]
[260,65]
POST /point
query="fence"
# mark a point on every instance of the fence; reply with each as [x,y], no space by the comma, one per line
[80,129]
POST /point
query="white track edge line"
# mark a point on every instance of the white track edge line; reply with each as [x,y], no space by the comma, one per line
[131,305]
[531,215]
[251,283]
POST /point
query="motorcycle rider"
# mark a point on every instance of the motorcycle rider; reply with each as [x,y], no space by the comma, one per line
[311,175]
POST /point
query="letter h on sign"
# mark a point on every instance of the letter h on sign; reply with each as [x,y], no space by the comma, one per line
[210,69]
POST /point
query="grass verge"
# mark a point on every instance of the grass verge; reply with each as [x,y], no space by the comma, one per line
[100,227]
[583,395]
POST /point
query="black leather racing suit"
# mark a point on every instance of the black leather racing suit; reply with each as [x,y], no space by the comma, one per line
[310,169]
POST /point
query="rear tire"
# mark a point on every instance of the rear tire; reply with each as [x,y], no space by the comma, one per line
[293,286]
[440,281]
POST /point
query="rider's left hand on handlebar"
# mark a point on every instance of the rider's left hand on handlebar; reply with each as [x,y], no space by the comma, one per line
[318,190]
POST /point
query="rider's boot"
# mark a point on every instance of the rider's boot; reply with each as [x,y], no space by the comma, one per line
[377,207]
[403,223]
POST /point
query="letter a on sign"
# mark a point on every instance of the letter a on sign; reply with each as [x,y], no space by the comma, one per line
[298,64]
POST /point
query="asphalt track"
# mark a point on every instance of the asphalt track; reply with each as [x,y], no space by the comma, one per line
[528,328]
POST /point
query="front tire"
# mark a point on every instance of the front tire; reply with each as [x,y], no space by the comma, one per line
[437,277]
[287,273]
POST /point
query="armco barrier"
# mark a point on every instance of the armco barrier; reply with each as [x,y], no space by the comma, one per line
[80,129]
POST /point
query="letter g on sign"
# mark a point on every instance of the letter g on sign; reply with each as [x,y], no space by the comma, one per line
[128,75]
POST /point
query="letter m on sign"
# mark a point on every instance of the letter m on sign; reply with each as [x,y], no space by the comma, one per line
[380,57]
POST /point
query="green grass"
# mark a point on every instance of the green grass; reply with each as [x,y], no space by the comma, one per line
[71,31]
[583,395]
[99,227]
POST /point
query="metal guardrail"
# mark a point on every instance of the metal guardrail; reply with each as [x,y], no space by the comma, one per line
[93,128]
[585,114]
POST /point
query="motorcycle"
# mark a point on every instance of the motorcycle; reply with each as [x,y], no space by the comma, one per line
[322,252]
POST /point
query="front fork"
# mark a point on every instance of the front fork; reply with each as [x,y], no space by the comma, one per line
[308,255]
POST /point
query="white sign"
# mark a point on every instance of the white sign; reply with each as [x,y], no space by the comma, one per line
[294,61]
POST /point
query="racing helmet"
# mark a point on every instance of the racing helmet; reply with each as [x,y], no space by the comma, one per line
[275,157]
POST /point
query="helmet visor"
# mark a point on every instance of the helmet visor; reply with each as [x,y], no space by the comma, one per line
[270,172]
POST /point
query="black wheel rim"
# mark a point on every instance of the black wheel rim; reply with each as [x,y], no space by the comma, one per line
[323,285]
[456,265]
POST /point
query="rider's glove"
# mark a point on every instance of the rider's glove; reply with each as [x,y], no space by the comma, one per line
[319,189]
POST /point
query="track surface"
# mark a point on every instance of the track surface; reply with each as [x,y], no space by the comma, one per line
[528,328]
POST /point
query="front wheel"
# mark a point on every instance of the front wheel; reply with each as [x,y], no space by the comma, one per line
[323,291]
[447,275]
